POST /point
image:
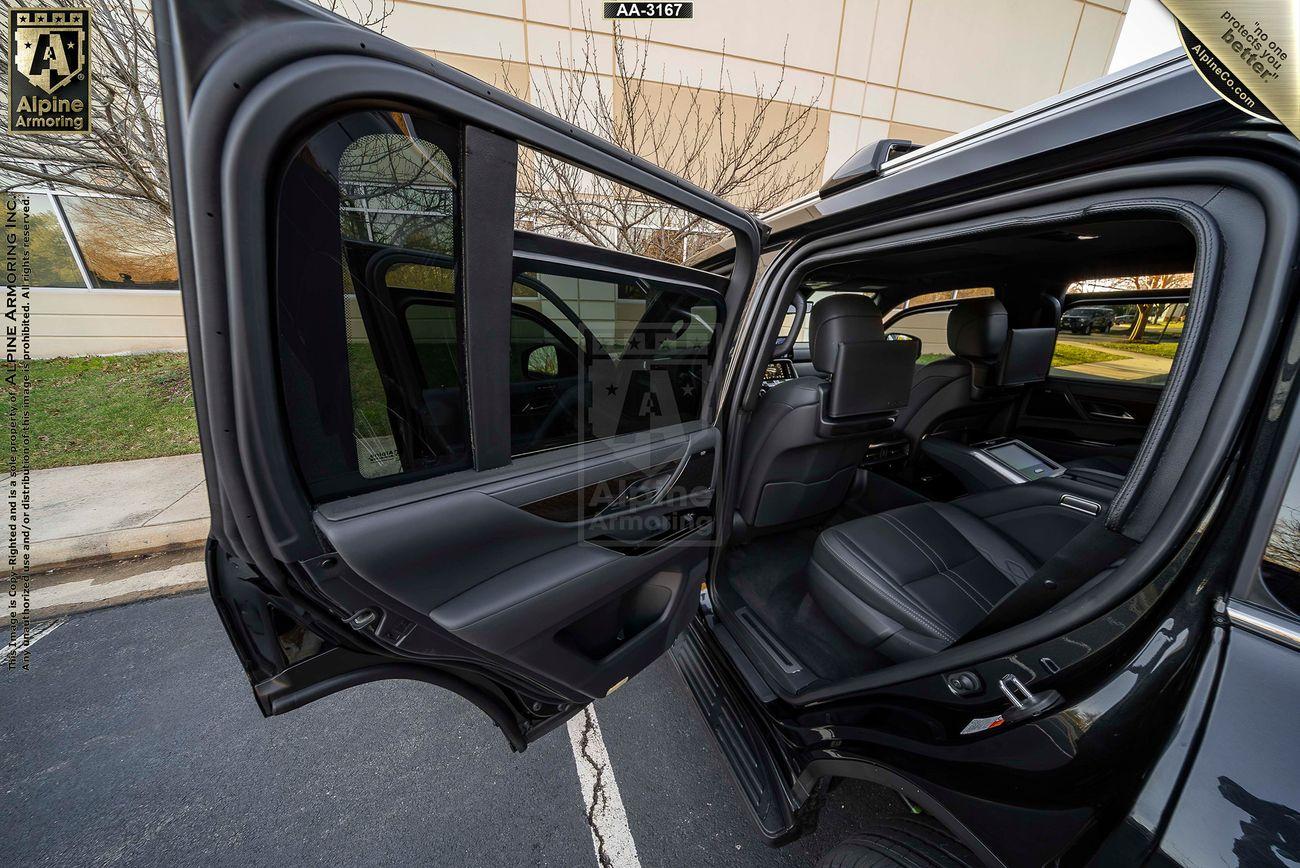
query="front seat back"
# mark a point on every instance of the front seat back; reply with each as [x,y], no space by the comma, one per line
[991,361]
[808,434]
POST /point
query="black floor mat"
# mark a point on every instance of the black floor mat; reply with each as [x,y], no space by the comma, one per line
[770,575]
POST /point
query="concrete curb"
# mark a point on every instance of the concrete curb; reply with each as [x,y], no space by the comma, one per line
[114,583]
[118,544]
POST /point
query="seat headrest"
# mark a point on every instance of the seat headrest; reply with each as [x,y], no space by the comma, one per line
[840,319]
[977,329]
[1050,312]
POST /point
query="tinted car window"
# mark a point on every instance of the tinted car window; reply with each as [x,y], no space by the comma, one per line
[368,303]
[1123,343]
[630,354]
[1281,568]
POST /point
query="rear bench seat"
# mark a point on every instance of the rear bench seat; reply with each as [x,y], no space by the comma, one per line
[911,581]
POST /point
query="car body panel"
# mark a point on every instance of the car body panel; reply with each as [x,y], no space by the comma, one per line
[319,595]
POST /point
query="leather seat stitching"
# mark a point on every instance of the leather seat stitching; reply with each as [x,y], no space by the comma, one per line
[961,583]
[886,590]
[885,587]
[967,583]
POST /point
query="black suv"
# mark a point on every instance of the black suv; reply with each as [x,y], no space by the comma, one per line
[1086,320]
[1048,594]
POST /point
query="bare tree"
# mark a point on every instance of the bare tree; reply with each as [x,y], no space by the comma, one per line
[124,156]
[1144,283]
[1284,541]
[747,149]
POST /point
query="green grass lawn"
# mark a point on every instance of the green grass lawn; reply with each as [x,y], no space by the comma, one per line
[1068,354]
[90,409]
[1163,350]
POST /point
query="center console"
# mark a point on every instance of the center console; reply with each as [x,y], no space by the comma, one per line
[990,463]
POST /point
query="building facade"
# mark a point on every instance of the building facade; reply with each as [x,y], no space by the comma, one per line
[870,69]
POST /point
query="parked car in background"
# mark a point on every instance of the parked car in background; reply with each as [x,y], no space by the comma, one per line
[1086,320]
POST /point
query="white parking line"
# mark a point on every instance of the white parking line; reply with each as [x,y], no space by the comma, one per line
[606,817]
[9,654]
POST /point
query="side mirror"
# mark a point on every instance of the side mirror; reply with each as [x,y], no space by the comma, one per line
[904,336]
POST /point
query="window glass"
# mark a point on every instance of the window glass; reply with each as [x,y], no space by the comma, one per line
[1130,343]
[52,262]
[1137,284]
[930,327]
[595,355]
[947,295]
[370,312]
[556,198]
[126,244]
[1281,572]
[369,303]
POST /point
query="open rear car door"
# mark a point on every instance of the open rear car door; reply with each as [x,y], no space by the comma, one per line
[438,447]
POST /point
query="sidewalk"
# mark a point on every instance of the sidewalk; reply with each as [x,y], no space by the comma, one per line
[1133,367]
[97,512]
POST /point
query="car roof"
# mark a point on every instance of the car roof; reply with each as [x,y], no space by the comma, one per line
[1163,88]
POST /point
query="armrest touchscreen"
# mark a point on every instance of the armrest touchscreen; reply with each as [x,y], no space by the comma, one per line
[1022,460]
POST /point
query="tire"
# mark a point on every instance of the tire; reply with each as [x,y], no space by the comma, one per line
[1087,330]
[900,842]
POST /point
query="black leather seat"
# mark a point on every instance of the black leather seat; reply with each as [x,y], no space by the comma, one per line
[991,360]
[808,434]
[911,581]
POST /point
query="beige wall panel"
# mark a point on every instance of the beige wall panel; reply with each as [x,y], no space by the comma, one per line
[855,38]
[104,302]
[891,28]
[1004,53]
[559,47]
[755,29]
[435,29]
[939,113]
[1117,5]
[920,135]
[848,96]
[672,64]
[842,142]
[94,325]
[808,159]
[491,71]
[48,348]
[1093,45]
[558,12]
[507,8]
[878,102]
[871,130]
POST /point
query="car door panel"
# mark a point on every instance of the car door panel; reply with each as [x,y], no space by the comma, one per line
[1073,417]
[516,600]
[449,580]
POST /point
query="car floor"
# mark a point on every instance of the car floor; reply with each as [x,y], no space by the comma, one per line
[770,576]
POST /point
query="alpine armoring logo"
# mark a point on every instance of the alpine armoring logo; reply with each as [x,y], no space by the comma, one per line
[49,70]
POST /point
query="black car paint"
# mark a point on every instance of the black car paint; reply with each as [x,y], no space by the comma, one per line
[1029,794]
[1069,786]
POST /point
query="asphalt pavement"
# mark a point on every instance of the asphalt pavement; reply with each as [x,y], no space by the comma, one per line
[134,740]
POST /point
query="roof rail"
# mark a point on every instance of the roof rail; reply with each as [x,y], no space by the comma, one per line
[866,163]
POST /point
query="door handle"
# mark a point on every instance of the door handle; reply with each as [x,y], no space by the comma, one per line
[1110,412]
[645,489]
